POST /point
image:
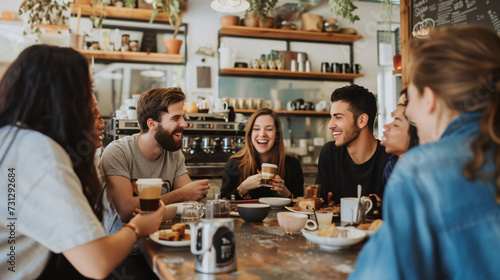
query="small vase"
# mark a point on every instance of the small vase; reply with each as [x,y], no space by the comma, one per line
[173,46]
[397,61]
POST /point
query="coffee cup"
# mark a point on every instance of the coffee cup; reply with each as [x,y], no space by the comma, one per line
[357,68]
[324,218]
[311,191]
[242,103]
[293,223]
[347,68]
[325,67]
[337,67]
[250,103]
[351,212]
[149,194]
[220,105]
[268,173]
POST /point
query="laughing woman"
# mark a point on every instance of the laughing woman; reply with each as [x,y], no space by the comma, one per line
[264,144]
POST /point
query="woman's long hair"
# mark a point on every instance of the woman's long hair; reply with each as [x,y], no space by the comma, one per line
[248,157]
[462,66]
[48,89]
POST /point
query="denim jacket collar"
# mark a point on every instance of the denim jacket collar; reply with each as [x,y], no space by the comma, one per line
[460,122]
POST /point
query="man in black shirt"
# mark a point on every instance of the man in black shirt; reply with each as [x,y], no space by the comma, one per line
[355,156]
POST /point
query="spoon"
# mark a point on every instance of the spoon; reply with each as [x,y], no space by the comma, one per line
[358,205]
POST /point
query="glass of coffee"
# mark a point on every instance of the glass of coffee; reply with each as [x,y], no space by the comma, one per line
[311,190]
[268,173]
[149,194]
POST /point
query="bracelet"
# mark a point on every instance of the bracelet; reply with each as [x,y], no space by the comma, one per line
[132,229]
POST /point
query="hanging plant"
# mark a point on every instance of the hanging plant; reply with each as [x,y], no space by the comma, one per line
[43,12]
[260,8]
[386,17]
[172,8]
[344,8]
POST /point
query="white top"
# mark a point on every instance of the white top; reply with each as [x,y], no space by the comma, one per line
[51,210]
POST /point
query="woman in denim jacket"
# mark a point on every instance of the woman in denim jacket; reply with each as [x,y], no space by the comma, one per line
[442,203]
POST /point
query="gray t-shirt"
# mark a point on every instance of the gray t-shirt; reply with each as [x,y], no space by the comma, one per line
[49,210]
[124,158]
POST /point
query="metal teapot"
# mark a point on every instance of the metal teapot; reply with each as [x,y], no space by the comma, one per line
[213,244]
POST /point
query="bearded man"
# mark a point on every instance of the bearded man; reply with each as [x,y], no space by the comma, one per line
[355,156]
[152,153]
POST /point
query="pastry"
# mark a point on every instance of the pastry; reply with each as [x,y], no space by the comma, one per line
[180,227]
[329,231]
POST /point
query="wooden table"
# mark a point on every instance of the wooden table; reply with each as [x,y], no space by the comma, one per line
[263,251]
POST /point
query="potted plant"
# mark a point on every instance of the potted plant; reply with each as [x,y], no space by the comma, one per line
[43,12]
[172,8]
[256,14]
[344,8]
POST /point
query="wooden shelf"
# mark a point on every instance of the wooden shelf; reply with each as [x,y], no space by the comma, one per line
[272,33]
[123,13]
[53,26]
[134,56]
[287,74]
[285,112]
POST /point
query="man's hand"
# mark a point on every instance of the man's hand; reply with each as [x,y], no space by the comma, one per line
[195,190]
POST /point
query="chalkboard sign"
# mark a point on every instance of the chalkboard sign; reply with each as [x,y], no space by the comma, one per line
[430,14]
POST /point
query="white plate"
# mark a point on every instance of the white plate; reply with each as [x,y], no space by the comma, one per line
[354,236]
[300,212]
[275,201]
[234,214]
[183,243]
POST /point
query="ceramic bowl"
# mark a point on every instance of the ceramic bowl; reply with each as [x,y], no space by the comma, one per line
[254,213]
[354,236]
[275,201]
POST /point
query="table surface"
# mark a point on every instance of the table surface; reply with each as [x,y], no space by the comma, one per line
[263,251]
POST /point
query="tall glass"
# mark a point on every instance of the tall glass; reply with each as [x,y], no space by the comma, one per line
[149,194]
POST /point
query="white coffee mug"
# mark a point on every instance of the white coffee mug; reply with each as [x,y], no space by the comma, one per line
[349,206]
[220,105]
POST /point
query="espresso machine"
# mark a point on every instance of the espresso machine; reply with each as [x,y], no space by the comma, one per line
[208,142]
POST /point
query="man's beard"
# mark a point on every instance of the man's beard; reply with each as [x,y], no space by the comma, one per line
[352,135]
[167,140]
